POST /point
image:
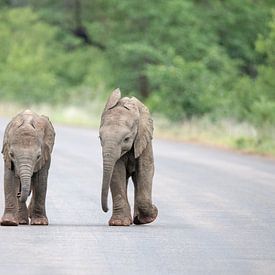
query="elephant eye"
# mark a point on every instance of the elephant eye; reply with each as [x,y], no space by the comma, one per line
[126,139]
[39,156]
[11,154]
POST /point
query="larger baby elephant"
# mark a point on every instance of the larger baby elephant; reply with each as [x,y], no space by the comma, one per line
[27,147]
[126,133]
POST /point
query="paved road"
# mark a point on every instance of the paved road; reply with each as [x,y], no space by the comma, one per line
[216,216]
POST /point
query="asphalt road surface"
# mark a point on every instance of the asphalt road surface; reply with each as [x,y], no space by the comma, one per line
[216,215]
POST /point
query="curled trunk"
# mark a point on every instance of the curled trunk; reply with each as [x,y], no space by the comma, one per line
[108,167]
[25,179]
[110,156]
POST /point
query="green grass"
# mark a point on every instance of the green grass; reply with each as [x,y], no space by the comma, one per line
[225,133]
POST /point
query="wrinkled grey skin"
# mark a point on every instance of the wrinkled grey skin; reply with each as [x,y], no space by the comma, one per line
[125,133]
[27,147]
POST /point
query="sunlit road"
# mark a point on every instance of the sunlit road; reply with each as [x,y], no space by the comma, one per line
[216,215]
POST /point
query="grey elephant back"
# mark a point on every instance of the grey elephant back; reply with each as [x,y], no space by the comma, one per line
[41,125]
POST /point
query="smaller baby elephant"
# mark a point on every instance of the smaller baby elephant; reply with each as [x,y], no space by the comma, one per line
[27,147]
[125,133]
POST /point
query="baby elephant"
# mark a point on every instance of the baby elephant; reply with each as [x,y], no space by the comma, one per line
[125,133]
[27,147]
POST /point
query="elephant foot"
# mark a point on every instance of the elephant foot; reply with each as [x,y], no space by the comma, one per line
[144,216]
[39,221]
[23,221]
[120,221]
[9,220]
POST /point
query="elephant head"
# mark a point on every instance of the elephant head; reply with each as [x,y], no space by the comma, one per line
[125,125]
[28,142]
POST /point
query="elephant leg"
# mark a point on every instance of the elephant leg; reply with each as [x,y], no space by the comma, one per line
[144,210]
[23,213]
[37,208]
[22,209]
[10,216]
[121,208]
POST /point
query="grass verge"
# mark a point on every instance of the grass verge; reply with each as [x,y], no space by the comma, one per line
[224,133]
[87,115]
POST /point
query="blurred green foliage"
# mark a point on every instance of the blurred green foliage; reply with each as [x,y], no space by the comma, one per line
[41,63]
[183,58]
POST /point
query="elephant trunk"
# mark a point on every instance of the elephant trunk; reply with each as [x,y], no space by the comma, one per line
[25,174]
[109,161]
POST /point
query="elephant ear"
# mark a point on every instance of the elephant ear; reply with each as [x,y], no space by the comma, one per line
[111,103]
[113,99]
[47,133]
[5,148]
[145,128]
